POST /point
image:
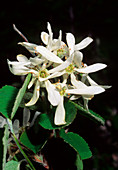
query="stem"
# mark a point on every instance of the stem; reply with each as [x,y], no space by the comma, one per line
[17,143]
[23,153]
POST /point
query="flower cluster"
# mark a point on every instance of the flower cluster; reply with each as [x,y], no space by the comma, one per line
[58,67]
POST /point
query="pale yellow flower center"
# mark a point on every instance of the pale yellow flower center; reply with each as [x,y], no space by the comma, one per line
[70,68]
[62,90]
[61,52]
[43,73]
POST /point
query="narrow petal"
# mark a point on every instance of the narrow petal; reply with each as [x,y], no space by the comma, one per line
[76,83]
[89,90]
[31,82]
[78,57]
[63,65]
[84,43]
[53,94]
[92,82]
[44,38]
[60,35]
[36,60]
[71,42]
[48,55]
[92,68]
[74,97]
[17,69]
[22,58]
[49,28]
[35,95]
[53,75]
[29,46]
[60,113]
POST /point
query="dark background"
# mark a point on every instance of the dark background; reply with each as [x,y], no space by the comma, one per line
[95,18]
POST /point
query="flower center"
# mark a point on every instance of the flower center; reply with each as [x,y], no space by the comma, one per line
[61,52]
[70,68]
[62,90]
[43,73]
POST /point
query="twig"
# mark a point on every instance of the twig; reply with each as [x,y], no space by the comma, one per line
[17,143]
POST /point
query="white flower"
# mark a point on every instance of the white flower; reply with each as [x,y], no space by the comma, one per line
[20,67]
[71,43]
[84,90]
[51,44]
[40,75]
[87,92]
[56,93]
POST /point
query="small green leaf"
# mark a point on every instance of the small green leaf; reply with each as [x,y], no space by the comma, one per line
[20,95]
[92,115]
[77,142]
[12,165]
[26,142]
[47,120]
[7,99]
[4,135]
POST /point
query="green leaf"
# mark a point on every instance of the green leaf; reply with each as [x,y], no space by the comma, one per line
[79,163]
[77,142]
[47,120]
[20,95]
[89,113]
[7,98]
[4,135]
[26,142]
[12,165]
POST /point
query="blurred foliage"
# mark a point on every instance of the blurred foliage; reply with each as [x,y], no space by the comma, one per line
[95,18]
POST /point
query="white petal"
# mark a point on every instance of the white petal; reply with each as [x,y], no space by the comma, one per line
[92,68]
[31,82]
[84,43]
[16,63]
[36,60]
[53,94]
[44,38]
[74,97]
[29,46]
[18,69]
[60,35]
[106,86]
[56,74]
[35,95]
[49,28]
[92,82]
[48,55]
[22,58]
[71,42]
[76,83]
[78,57]
[60,113]
[63,65]
[89,90]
